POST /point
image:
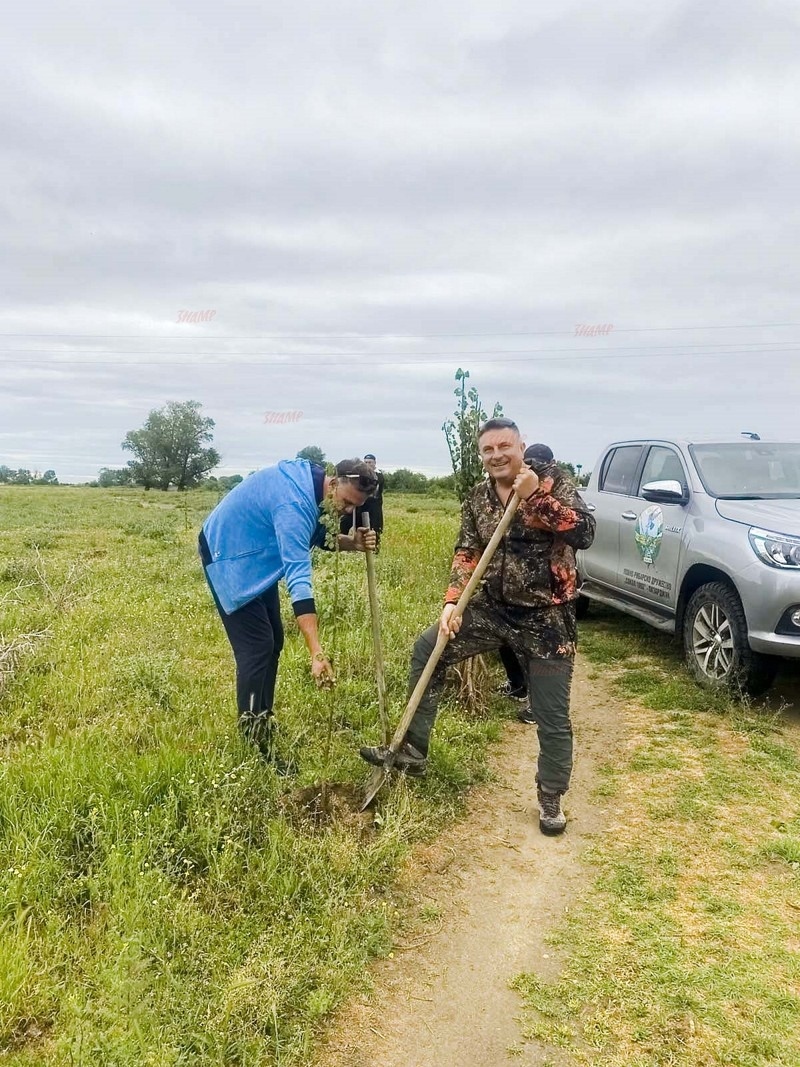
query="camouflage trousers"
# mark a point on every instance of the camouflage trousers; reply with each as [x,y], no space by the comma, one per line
[544,641]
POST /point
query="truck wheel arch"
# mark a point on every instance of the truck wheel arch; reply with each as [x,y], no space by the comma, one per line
[697,575]
[747,673]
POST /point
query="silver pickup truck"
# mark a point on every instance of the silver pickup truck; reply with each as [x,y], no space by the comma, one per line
[702,539]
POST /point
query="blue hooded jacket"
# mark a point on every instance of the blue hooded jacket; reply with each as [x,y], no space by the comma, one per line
[261,532]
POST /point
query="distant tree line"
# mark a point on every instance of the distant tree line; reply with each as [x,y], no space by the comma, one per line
[172,450]
[223,484]
[25,477]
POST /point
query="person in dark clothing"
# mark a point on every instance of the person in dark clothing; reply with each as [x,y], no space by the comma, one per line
[515,686]
[373,506]
[526,602]
[539,458]
[262,531]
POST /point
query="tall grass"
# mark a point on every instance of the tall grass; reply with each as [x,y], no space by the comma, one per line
[167,898]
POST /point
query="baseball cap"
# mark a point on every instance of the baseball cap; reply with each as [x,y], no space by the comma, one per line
[538,455]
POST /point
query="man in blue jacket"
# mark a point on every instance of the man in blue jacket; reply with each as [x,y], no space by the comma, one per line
[262,531]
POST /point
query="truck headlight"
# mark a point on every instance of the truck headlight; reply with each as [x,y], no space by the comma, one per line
[778,550]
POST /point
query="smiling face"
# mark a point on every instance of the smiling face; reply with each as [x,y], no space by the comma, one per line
[501,453]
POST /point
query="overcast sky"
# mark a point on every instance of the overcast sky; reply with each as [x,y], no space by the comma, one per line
[372,195]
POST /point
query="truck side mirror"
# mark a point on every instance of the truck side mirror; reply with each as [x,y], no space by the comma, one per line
[669,491]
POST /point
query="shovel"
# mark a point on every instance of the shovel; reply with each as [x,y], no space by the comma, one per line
[374,613]
[380,774]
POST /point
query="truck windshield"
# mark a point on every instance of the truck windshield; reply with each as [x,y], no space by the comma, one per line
[749,470]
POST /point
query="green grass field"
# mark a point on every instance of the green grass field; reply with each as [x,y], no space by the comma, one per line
[168,899]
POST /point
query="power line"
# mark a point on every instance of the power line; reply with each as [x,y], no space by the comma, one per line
[355,334]
[447,357]
[454,352]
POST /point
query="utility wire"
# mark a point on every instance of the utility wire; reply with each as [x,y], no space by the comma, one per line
[744,345]
[367,359]
[355,334]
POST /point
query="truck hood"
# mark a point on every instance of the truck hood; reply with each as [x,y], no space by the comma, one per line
[780,516]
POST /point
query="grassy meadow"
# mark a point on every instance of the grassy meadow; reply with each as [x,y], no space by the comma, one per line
[169,899]
[166,897]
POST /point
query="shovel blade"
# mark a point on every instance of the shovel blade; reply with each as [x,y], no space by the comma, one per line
[377,778]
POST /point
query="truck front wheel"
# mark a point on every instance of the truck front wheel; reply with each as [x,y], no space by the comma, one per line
[715,642]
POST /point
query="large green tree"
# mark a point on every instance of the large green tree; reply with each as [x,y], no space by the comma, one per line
[169,448]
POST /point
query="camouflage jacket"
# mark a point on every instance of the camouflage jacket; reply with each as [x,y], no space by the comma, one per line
[534,565]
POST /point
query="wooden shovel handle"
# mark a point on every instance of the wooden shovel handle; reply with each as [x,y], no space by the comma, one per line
[374,614]
[443,639]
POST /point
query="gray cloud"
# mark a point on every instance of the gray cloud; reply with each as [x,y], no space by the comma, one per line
[386,179]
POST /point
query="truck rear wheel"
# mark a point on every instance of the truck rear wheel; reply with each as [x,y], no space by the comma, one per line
[715,642]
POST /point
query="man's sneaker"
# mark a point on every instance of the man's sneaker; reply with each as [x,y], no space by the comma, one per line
[513,692]
[408,759]
[526,715]
[552,820]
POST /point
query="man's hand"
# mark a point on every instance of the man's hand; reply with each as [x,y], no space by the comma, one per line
[526,483]
[447,624]
[365,540]
[322,671]
[361,541]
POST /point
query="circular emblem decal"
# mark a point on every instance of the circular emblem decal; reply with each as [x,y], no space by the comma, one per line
[648,532]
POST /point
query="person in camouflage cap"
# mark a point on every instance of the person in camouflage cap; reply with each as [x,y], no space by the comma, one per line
[526,602]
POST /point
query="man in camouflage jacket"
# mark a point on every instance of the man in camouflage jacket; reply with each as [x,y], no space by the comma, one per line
[526,602]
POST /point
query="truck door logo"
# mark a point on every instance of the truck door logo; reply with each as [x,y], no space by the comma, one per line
[648,532]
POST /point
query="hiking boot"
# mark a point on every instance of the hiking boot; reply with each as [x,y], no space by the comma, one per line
[512,692]
[409,760]
[526,715]
[552,820]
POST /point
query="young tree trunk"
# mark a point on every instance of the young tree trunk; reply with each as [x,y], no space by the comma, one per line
[473,678]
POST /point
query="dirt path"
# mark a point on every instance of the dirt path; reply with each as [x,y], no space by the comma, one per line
[499,887]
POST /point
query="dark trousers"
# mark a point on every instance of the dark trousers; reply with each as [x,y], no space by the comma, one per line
[513,668]
[373,508]
[549,680]
[255,632]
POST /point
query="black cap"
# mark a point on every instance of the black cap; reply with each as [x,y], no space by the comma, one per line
[538,455]
[369,455]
